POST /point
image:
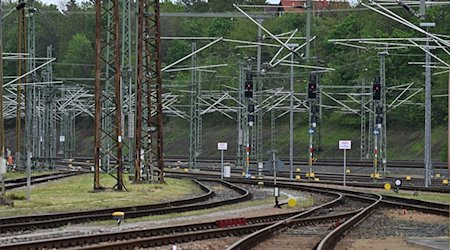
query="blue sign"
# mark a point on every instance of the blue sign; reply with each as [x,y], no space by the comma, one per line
[376,131]
[311,131]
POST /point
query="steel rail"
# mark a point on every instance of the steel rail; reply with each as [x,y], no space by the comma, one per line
[213,233]
[375,184]
[149,238]
[173,234]
[330,240]
[336,178]
[324,162]
[250,240]
[300,161]
[391,201]
[16,223]
[21,182]
[398,202]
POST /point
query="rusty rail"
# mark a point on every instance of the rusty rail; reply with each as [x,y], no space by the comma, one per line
[18,223]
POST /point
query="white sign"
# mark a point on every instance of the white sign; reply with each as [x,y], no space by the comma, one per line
[345,144]
[222,146]
[240,137]
[62,138]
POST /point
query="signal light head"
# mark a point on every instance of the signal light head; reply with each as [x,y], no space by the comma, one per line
[248,89]
[376,91]
[312,90]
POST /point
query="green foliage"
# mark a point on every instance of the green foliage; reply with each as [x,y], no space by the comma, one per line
[72,35]
[16,196]
[78,52]
[220,27]
[177,50]
[443,152]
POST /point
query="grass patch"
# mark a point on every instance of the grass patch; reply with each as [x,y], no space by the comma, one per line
[76,194]
[432,197]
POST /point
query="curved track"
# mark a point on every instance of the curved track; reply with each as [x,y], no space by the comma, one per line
[336,180]
[21,182]
[241,226]
[20,223]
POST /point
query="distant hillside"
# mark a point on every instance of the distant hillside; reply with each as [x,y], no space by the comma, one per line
[403,143]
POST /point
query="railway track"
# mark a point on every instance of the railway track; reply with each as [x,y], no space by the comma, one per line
[412,184]
[171,160]
[415,183]
[332,237]
[148,238]
[174,234]
[21,223]
[261,235]
[336,180]
[21,182]
[300,161]
[429,207]
[342,213]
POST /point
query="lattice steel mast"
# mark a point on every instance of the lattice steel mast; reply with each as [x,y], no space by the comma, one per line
[127,77]
[49,137]
[194,113]
[2,127]
[149,117]
[108,52]
[21,66]
[31,126]
[383,137]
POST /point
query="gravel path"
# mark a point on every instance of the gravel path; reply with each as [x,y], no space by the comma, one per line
[391,228]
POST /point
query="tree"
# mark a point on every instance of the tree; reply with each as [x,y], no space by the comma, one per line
[79,58]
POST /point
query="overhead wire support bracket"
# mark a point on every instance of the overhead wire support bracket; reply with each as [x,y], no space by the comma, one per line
[408,8]
[190,54]
[281,49]
[403,21]
[266,30]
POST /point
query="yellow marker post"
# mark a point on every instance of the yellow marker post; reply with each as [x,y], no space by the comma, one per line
[347,171]
[316,179]
[297,177]
[377,176]
[445,181]
[438,175]
[292,202]
[408,178]
[118,216]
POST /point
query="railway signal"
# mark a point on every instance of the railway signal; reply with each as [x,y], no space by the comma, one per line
[248,85]
[251,108]
[376,89]
[251,119]
[379,119]
[312,87]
